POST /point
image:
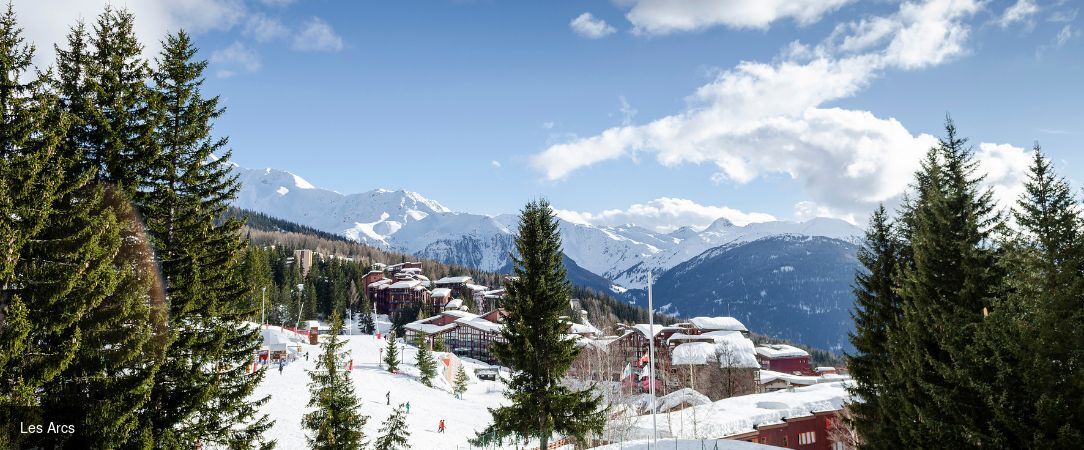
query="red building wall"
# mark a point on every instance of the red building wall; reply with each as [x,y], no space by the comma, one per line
[789,433]
[799,364]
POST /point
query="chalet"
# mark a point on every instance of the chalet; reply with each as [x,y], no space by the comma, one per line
[719,364]
[784,358]
[701,325]
[472,336]
[775,381]
[378,291]
[463,287]
[396,268]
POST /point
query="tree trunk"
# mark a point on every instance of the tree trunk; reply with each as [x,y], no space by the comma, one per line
[543,440]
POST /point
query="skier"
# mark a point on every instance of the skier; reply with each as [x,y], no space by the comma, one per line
[280,367]
[440,428]
[388,397]
[408,407]
[306,356]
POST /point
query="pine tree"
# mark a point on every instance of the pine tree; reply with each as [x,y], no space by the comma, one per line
[121,118]
[947,283]
[534,347]
[336,422]
[32,184]
[1035,331]
[368,326]
[459,384]
[201,389]
[391,356]
[427,367]
[394,432]
[876,314]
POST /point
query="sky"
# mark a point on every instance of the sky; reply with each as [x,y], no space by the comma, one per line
[656,112]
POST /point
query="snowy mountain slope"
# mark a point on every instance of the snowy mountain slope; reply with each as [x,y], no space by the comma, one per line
[407,221]
[369,217]
[788,286]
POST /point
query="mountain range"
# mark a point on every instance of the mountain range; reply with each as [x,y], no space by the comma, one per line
[787,279]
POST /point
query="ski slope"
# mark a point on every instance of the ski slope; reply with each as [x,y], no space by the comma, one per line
[289,395]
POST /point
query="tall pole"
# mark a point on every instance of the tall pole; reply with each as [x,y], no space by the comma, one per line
[651,363]
[263,316]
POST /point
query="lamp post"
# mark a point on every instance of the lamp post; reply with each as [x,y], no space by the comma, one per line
[651,362]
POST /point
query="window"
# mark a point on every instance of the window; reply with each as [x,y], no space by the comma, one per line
[808,437]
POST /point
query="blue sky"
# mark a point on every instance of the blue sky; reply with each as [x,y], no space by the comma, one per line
[641,110]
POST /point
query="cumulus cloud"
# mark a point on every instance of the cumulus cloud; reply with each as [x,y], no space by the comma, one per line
[665,215]
[760,118]
[1006,170]
[235,59]
[1021,11]
[1065,35]
[263,28]
[668,16]
[317,35]
[48,22]
[588,26]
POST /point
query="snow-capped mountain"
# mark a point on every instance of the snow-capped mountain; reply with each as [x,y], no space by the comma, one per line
[407,221]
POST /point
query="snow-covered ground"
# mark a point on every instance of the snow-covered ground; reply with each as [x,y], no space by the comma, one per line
[289,395]
[687,444]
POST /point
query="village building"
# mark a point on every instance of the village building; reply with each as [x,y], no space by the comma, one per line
[472,336]
[435,328]
[784,358]
[303,258]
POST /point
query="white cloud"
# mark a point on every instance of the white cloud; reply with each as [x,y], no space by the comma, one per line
[317,35]
[1065,35]
[495,163]
[667,16]
[235,59]
[627,111]
[665,215]
[1021,11]
[1006,169]
[588,26]
[277,3]
[263,28]
[48,22]
[760,118]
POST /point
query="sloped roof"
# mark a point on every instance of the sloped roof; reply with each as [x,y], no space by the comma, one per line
[718,323]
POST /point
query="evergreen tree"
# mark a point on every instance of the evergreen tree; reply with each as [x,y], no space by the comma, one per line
[534,346]
[121,117]
[459,384]
[1035,331]
[427,367]
[876,312]
[391,356]
[945,286]
[32,186]
[201,389]
[336,423]
[368,326]
[394,432]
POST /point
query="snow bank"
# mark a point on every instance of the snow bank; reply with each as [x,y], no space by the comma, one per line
[738,415]
[681,397]
[780,351]
[687,444]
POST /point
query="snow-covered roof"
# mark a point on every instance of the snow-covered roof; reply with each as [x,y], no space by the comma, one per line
[685,396]
[379,282]
[405,284]
[646,330]
[772,351]
[454,303]
[495,292]
[413,270]
[768,376]
[480,323]
[476,287]
[422,327]
[454,280]
[693,353]
[738,415]
[458,313]
[442,292]
[718,323]
[579,328]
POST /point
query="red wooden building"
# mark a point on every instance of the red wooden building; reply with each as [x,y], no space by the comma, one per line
[784,358]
